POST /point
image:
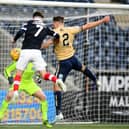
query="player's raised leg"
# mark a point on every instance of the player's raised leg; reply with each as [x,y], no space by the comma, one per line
[47,76]
[21,65]
[77,65]
[90,74]
[15,54]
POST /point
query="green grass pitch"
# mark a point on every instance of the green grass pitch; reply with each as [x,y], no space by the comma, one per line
[67,126]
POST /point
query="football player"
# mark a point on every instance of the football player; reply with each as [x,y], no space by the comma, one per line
[27,85]
[65,53]
[35,32]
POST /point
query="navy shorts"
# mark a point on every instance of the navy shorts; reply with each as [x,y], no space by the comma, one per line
[65,66]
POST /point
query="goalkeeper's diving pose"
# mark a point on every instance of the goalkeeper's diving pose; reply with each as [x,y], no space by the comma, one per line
[65,52]
[27,85]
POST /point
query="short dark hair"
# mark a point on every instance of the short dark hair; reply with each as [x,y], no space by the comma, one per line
[59,19]
[38,13]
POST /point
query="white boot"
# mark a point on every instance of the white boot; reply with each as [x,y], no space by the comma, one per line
[60,83]
[59,116]
[98,83]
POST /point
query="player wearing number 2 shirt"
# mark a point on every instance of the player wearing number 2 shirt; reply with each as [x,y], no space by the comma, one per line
[65,53]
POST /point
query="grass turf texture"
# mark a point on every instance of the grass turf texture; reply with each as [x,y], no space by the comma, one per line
[66,126]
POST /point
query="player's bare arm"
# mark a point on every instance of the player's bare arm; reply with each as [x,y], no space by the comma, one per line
[47,43]
[90,25]
[50,41]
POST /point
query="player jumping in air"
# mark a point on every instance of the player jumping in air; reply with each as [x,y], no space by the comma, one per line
[27,85]
[65,53]
[35,31]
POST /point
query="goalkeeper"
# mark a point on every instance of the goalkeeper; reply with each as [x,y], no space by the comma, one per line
[27,85]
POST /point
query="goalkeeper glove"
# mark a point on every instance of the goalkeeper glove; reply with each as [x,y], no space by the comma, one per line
[10,80]
[38,79]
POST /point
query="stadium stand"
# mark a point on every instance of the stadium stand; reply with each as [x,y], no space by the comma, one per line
[125,1]
[111,42]
[121,1]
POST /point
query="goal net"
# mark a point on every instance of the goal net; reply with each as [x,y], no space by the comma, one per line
[104,49]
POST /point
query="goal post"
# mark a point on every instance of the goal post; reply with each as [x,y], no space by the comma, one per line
[65,4]
[104,49]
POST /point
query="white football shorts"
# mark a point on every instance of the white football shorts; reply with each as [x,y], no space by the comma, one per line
[31,55]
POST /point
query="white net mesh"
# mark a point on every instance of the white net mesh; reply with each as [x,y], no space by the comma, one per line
[103,49]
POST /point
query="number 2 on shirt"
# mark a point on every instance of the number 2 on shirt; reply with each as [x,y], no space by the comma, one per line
[65,39]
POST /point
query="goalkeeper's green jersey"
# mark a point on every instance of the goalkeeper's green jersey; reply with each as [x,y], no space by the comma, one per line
[27,75]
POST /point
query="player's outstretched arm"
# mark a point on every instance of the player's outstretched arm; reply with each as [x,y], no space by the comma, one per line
[8,70]
[90,25]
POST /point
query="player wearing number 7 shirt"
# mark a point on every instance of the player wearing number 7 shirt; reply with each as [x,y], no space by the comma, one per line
[34,33]
[65,53]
